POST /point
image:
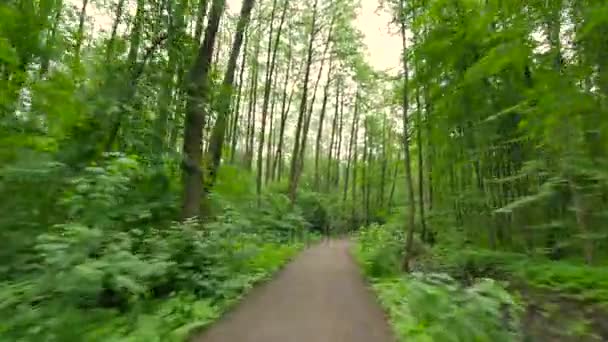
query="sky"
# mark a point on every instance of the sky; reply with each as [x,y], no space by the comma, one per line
[383,49]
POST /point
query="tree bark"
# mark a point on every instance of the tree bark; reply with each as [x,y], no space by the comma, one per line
[364,167]
[200,19]
[237,109]
[320,130]
[270,66]
[278,158]
[295,163]
[408,255]
[216,143]
[252,106]
[80,32]
[353,138]
[339,149]
[197,93]
[334,125]
[423,232]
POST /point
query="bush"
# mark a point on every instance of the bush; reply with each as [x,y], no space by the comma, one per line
[433,307]
[114,271]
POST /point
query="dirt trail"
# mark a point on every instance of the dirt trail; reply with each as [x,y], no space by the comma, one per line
[319,297]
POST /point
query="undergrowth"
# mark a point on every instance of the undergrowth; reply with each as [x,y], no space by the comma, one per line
[107,265]
[434,306]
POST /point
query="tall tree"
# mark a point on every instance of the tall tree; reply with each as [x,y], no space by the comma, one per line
[218,134]
[406,145]
[198,94]
[295,158]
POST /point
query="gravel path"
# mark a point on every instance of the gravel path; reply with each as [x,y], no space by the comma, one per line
[319,297]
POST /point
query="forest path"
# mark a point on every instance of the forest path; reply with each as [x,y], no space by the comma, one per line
[319,297]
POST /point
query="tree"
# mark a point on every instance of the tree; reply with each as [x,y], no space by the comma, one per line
[406,146]
[197,92]
[296,155]
[218,134]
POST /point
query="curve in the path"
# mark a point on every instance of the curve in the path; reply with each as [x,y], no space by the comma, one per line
[319,297]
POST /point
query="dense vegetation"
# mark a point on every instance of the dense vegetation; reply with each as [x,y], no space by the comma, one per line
[157,158]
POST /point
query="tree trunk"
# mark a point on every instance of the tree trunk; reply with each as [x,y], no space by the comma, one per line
[164,102]
[423,234]
[364,166]
[80,32]
[278,158]
[339,150]
[308,119]
[354,217]
[200,19]
[353,138]
[237,109]
[320,130]
[197,93]
[216,143]
[117,18]
[252,106]
[270,66]
[295,163]
[271,135]
[384,162]
[334,125]
[393,184]
[408,255]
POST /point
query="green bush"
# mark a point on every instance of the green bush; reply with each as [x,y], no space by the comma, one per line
[434,306]
[114,271]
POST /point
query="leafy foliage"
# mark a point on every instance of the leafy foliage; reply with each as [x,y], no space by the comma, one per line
[109,260]
[434,306]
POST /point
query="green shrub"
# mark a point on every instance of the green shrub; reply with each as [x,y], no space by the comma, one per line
[112,271]
[435,307]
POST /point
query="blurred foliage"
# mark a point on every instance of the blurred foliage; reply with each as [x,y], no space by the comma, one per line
[113,259]
[434,306]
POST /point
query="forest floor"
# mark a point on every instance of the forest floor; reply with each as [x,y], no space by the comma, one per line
[320,296]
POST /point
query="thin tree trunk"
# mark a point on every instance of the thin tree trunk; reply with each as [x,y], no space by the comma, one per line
[393,184]
[408,255]
[165,96]
[312,101]
[271,135]
[353,138]
[364,166]
[295,163]
[133,73]
[354,217]
[332,139]
[237,109]
[339,150]
[200,19]
[430,153]
[80,32]
[320,130]
[423,234]
[216,143]
[197,92]
[384,162]
[252,106]
[278,158]
[270,65]
[117,18]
